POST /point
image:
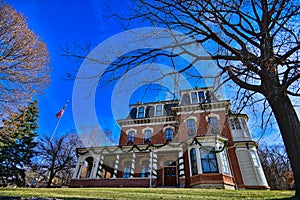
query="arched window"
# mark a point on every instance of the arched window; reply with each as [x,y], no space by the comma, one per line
[147,136]
[87,167]
[169,134]
[213,125]
[193,159]
[191,127]
[130,137]
[208,160]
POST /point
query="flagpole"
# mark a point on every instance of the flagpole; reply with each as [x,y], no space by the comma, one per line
[58,121]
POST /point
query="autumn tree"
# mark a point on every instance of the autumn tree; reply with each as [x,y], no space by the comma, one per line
[24,69]
[277,168]
[56,158]
[17,143]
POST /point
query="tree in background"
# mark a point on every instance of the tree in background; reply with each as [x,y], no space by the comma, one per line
[24,69]
[17,144]
[56,158]
[277,167]
[255,43]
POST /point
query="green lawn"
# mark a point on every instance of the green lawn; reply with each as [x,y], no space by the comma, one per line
[144,193]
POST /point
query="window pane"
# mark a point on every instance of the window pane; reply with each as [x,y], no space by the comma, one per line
[201,97]
[205,166]
[193,159]
[141,112]
[159,110]
[194,98]
[208,161]
[130,136]
[213,125]
[254,158]
[169,134]
[213,165]
[126,170]
[224,160]
[145,169]
[191,128]
[147,136]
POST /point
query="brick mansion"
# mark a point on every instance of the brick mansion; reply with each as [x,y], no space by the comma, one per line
[196,141]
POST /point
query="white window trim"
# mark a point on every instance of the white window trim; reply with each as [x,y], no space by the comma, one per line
[191,101]
[222,165]
[129,130]
[198,158]
[197,95]
[217,158]
[212,115]
[171,127]
[147,128]
[256,157]
[162,110]
[191,117]
[137,113]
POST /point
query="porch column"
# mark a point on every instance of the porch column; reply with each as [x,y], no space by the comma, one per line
[100,165]
[181,172]
[95,167]
[116,166]
[153,166]
[77,168]
[132,165]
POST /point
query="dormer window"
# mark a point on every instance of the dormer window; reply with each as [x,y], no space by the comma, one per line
[197,97]
[159,110]
[141,112]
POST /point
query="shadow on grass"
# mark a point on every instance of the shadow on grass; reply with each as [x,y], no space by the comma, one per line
[290,198]
[33,198]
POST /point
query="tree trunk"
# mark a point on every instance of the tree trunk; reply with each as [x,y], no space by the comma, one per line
[51,177]
[50,180]
[289,127]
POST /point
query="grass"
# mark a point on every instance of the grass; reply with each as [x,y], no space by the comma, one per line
[144,193]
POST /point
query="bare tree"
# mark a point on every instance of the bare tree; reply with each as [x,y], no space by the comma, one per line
[56,158]
[24,69]
[255,44]
[277,167]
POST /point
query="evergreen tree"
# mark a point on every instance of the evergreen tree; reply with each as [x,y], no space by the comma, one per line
[17,143]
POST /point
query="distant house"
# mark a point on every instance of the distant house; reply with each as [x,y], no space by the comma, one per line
[192,142]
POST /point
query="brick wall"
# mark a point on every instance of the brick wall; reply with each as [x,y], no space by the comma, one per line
[117,182]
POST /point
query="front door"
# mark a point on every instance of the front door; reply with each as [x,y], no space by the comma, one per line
[170,178]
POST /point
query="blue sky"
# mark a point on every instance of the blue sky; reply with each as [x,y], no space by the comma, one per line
[62,22]
[59,23]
